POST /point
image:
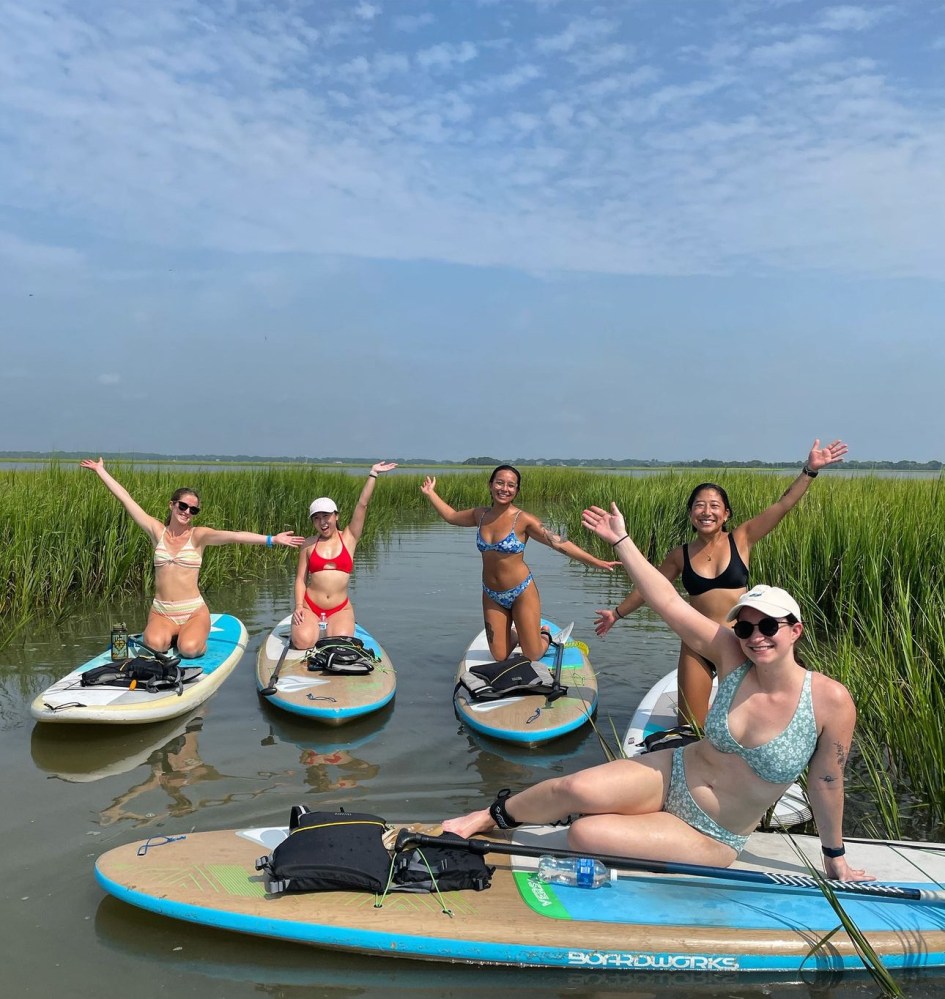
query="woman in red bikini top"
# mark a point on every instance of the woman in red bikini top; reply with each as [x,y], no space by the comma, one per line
[325,564]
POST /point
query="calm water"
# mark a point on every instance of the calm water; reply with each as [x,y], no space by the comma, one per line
[72,793]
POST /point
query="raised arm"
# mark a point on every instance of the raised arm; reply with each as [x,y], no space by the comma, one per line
[458,518]
[670,567]
[833,704]
[714,641]
[765,522]
[209,536]
[534,528]
[356,525]
[144,520]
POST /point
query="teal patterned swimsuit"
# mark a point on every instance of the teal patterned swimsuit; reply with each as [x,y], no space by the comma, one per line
[778,761]
[786,755]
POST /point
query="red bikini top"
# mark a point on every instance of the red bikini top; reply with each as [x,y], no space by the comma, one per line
[343,561]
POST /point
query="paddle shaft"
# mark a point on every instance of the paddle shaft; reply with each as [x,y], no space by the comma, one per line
[559,641]
[865,889]
[270,688]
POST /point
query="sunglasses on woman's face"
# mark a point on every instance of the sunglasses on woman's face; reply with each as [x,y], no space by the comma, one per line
[768,626]
[184,507]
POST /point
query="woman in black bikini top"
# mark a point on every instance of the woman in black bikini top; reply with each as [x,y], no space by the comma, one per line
[714,569]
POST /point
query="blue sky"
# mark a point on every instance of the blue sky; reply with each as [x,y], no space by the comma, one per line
[439,229]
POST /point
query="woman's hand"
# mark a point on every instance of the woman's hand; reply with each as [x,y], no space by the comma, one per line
[287,538]
[604,621]
[297,615]
[383,466]
[609,527]
[820,457]
[837,869]
[429,486]
[95,466]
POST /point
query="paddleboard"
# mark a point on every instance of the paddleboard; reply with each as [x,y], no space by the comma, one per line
[657,712]
[639,922]
[331,699]
[530,720]
[68,702]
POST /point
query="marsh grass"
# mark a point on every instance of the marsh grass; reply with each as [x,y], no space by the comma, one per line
[860,554]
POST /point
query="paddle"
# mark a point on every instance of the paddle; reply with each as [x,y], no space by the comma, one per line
[407,839]
[558,641]
[270,689]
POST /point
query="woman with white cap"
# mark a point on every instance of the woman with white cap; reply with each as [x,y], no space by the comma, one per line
[771,720]
[325,565]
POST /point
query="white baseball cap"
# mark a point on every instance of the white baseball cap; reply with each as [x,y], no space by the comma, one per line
[322,505]
[767,599]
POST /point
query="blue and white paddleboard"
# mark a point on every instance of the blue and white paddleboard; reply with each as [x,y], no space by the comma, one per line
[68,702]
[331,699]
[657,713]
[639,922]
[531,719]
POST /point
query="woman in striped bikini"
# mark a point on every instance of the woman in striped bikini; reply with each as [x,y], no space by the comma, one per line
[178,614]
[509,594]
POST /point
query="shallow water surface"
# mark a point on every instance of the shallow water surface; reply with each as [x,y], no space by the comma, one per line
[72,792]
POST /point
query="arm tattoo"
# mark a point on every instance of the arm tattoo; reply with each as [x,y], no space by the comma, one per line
[553,539]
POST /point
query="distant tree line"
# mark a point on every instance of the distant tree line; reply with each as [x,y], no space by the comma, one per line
[483,461]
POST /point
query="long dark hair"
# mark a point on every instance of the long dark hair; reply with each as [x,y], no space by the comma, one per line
[718,489]
[178,494]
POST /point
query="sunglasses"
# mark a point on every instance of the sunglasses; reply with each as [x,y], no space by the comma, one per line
[184,507]
[768,626]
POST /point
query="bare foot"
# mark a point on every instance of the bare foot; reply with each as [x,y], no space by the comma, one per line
[469,825]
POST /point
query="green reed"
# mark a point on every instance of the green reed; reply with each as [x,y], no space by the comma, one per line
[861,555]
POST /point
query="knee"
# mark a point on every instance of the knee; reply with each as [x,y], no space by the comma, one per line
[190,649]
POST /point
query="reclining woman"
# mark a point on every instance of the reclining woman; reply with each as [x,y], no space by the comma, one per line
[178,614]
[771,719]
[509,593]
[714,569]
[326,562]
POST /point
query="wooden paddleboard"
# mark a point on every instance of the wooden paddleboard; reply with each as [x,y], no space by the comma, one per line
[657,712]
[68,702]
[328,698]
[640,922]
[532,719]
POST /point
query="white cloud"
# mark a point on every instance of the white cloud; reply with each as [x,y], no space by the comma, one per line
[850,18]
[109,378]
[446,56]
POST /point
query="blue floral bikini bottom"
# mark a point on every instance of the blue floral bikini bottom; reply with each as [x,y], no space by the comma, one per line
[505,598]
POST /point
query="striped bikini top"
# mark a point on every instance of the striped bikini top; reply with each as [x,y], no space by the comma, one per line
[509,545]
[188,556]
[787,754]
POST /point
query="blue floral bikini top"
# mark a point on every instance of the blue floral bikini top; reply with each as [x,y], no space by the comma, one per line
[786,755]
[509,545]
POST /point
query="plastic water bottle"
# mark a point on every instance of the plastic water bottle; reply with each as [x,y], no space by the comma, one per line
[322,626]
[579,872]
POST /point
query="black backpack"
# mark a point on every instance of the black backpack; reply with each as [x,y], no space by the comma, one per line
[344,851]
[141,672]
[343,655]
[509,678]
[441,868]
[329,851]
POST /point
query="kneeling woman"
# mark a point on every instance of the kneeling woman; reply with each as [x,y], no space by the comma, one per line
[179,615]
[325,564]
[771,719]
[509,593]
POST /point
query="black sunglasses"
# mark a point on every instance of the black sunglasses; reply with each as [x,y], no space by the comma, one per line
[768,626]
[184,507]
